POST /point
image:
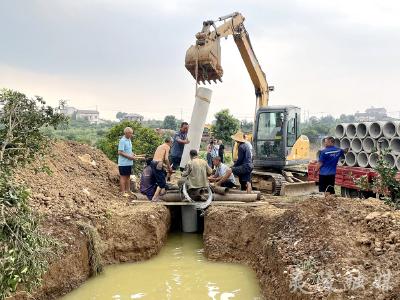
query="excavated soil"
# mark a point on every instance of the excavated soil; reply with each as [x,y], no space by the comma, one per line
[312,249]
[82,188]
[309,248]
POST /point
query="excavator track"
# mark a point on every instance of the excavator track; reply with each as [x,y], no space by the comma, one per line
[268,182]
[277,185]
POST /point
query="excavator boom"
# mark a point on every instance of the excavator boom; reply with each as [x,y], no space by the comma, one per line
[203,60]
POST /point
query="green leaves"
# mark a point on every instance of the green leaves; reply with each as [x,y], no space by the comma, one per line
[144,141]
[225,126]
[24,249]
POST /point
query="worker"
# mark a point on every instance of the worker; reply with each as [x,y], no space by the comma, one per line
[180,140]
[243,165]
[125,161]
[248,143]
[327,165]
[148,184]
[212,151]
[196,172]
[223,174]
[161,166]
[221,150]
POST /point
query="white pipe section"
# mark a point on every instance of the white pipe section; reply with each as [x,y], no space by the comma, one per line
[373,160]
[351,131]
[383,144]
[398,163]
[356,145]
[337,143]
[395,146]
[362,159]
[390,159]
[375,130]
[362,130]
[199,115]
[389,129]
[340,131]
[345,143]
[351,159]
[369,145]
[398,129]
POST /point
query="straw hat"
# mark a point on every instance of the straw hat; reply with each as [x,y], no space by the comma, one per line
[238,137]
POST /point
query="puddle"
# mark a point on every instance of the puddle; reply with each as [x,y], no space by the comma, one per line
[179,271]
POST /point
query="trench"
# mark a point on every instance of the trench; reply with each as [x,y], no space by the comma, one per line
[179,271]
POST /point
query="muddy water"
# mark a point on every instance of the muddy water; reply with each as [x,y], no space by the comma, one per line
[180,271]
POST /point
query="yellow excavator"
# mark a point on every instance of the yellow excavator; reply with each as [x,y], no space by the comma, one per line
[279,150]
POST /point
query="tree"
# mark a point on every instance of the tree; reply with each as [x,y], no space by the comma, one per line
[225,125]
[246,126]
[170,122]
[120,115]
[24,249]
[145,141]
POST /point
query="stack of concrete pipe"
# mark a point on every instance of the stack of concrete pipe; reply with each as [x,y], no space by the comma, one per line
[366,138]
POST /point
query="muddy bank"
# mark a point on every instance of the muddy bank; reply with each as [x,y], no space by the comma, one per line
[81,188]
[314,249]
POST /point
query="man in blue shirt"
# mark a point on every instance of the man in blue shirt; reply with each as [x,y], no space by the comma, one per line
[125,160]
[244,164]
[327,164]
[180,140]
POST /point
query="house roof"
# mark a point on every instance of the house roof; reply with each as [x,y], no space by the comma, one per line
[83,111]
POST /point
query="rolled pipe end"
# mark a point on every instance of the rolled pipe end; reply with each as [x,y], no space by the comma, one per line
[362,160]
[383,144]
[351,131]
[340,131]
[395,146]
[361,130]
[351,159]
[390,160]
[369,145]
[356,145]
[373,160]
[389,129]
[375,130]
[345,143]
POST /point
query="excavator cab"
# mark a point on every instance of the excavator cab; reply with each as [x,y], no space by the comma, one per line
[203,60]
[277,139]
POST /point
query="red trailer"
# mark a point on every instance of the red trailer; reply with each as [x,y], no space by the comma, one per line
[345,179]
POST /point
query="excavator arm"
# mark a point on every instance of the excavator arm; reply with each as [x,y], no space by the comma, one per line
[203,60]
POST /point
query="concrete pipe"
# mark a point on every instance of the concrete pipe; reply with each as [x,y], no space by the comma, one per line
[356,145]
[375,130]
[351,131]
[383,144]
[369,145]
[337,142]
[398,129]
[345,143]
[395,146]
[390,160]
[197,121]
[351,159]
[340,131]
[362,159]
[373,160]
[389,129]
[362,130]
[398,163]
[342,161]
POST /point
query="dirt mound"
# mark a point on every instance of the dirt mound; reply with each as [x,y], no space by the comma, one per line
[82,182]
[316,248]
[82,188]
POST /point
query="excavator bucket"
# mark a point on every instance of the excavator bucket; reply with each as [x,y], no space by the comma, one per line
[203,60]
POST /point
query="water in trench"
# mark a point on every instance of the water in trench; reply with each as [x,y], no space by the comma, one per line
[179,271]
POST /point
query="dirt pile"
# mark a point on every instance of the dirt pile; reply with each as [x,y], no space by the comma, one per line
[313,249]
[82,188]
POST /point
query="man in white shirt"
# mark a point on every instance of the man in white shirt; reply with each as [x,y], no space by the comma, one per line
[223,174]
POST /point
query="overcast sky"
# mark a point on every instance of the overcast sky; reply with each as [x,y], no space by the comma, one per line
[333,57]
